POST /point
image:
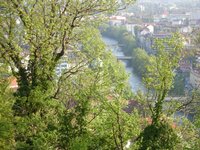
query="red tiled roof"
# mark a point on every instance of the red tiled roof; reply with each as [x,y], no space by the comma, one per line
[13,83]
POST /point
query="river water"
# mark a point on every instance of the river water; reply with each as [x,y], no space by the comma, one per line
[134,80]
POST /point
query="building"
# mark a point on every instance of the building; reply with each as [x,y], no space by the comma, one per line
[195,78]
[13,83]
[63,65]
[131,28]
[117,20]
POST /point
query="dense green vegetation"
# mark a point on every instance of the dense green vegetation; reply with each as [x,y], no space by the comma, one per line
[140,61]
[84,107]
[178,85]
[6,117]
[125,39]
[140,58]
[159,78]
[120,34]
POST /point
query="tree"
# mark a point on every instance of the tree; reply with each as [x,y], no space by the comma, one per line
[6,118]
[35,35]
[94,99]
[140,61]
[120,34]
[46,29]
[160,74]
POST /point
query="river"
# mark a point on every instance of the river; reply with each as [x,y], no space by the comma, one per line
[135,82]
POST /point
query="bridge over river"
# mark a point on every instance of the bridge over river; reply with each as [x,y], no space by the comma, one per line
[134,80]
[169,99]
[124,57]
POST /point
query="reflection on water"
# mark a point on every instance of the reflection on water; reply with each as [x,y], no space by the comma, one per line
[134,80]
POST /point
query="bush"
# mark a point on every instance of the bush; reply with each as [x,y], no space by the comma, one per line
[158,136]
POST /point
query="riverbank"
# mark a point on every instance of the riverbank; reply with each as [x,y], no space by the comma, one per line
[140,58]
[135,81]
[129,47]
[122,36]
